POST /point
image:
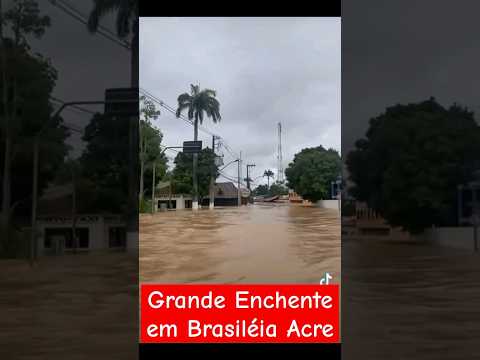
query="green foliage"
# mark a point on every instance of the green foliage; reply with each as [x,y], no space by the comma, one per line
[278,189]
[105,161]
[127,15]
[24,19]
[312,171]
[182,173]
[413,158]
[198,102]
[145,206]
[27,112]
[150,152]
[261,190]
[150,140]
[273,190]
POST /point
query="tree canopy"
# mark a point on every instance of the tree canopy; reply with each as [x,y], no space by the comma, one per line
[411,161]
[182,173]
[149,151]
[273,190]
[312,171]
[28,111]
[104,161]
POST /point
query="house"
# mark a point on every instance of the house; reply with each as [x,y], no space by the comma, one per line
[166,199]
[226,194]
[57,217]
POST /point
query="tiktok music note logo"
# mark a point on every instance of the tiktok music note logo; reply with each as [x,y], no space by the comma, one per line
[326,279]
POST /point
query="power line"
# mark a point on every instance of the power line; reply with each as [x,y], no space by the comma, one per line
[79,108]
[77,15]
[200,127]
[173,111]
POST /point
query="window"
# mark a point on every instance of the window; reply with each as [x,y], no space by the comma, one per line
[117,236]
[62,237]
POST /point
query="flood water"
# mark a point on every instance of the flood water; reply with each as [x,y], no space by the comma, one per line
[409,301]
[267,243]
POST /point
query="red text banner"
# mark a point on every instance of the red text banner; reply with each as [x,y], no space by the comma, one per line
[239,313]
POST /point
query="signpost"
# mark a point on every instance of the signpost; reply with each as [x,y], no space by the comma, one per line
[122,101]
[192,147]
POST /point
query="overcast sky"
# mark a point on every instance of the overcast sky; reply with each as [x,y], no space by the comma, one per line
[87,64]
[265,71]
[406,51]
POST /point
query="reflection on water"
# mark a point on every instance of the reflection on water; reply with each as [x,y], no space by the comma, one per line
[409,301]
[276,243]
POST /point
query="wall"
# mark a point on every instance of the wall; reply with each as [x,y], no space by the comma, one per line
[329,204]
[453,237]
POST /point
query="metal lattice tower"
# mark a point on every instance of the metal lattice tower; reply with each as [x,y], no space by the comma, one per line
[280,175]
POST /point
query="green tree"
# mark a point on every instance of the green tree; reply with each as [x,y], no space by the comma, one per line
[261,190]
[127,21]
[103,161]
[126,24]
[150,139]
[414,156]
[183,172]
[198,103]
[26,85]
[269,174]
[24,19]
[278,189]
[312,171]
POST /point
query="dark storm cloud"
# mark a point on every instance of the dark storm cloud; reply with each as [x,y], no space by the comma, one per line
[265,71]
[406,51]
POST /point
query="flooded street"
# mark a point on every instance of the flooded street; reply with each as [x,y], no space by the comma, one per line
[409,301]
[274,243]
[76,307]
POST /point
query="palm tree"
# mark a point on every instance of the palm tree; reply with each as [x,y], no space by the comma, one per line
[126,24]
[198,102]
[269,174]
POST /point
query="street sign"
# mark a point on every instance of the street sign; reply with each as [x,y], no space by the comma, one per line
[192,147]
[121,101]
[218,161]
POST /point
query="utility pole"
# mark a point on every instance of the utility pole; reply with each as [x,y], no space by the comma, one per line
[33,232]
[154,165]
[280,172]
[248,175]
[74,208]
[239,195]
[476,217]
[248,181]
[211,203]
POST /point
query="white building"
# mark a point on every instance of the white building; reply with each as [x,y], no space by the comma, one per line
[55,226]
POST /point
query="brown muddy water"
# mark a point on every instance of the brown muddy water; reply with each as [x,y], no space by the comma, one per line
[277,243]
[74,307]
[409,301]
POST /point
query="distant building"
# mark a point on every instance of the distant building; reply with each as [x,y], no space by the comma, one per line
[167,199]
[226,194]
[468,201]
